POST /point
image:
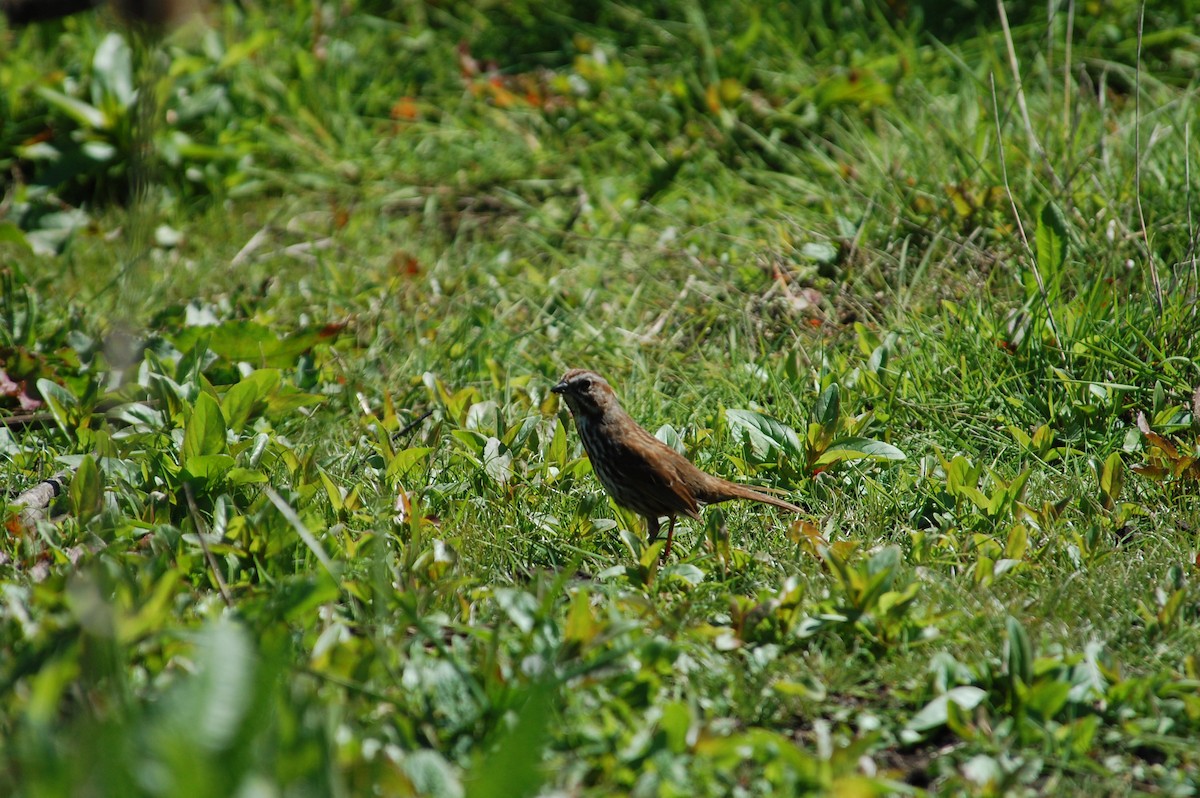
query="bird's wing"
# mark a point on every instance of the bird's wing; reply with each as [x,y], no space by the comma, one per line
[651,463]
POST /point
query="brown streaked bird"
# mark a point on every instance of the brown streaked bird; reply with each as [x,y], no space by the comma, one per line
[638,470]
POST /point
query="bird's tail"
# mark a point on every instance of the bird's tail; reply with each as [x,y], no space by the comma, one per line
[725,490]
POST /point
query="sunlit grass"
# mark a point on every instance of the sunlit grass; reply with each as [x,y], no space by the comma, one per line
[380,238]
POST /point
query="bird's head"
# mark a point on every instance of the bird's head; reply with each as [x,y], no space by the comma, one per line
[586,393]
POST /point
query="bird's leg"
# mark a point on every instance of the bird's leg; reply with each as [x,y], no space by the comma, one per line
[670,536]
[652,527]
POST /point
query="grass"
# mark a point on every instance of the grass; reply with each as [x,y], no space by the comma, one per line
[288,320]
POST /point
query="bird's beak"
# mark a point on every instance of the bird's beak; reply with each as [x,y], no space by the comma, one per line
[560,388]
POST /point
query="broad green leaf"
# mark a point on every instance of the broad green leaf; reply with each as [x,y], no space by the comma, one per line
[810,688]
[431,775]
[497,462]
[1019,652]
[556,452]
[1047,697]
[667,434]
[513,768]
[1112,478]
[211,703]
[675,722]
[244,476]
[825,414]
[112,71]
[86,493]
[58,399]
[81,113]
[933,714]
[251,342]
[287,399]
[205,433]
[1051,240]
[332,491]
[521,607]
[11,234]
[404,462]
[765,434]
[247,396]
[581,626]
[858,449]
[208,467]
[683,571]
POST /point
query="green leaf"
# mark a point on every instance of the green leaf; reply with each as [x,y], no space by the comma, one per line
[86,493]
[765,434]
[211,703]
[668,435]
[112,69]
[933,714]
[1019,653]
[497,461]
[513,768]
[825,414]
[208,467]
[404,461]
[1047,697]
[244,476]
[246,397]
[675,723]
[858,449]
[10,233]
[205,433]
[556,452]
[1112,479]
[1051,238]
[59,400]
[248,341]
[84,115]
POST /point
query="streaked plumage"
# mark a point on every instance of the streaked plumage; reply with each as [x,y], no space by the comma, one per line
[638,470]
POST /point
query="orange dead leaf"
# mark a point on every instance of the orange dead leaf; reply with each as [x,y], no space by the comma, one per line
[843,549]
[332,329]
[405,110]
[712,98]
[406,264]
[403,506]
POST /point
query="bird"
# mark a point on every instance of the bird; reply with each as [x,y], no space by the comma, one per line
[639,471]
